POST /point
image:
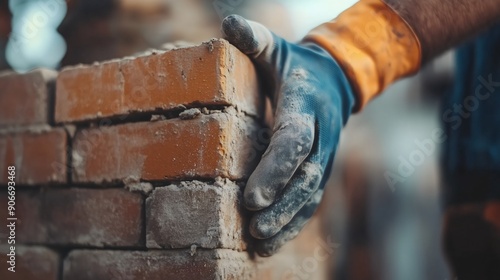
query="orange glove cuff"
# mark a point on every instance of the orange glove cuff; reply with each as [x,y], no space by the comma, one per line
[373,45]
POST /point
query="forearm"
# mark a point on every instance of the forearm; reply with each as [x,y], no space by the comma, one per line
[377,42]
[441,24]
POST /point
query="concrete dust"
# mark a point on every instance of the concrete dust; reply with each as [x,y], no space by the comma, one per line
[190,114]
[133,184]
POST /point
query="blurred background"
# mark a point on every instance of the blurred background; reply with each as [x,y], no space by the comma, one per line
[388,225]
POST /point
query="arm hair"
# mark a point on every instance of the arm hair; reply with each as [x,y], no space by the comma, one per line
[442,24]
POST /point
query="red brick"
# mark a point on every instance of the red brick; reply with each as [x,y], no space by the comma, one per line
[39,157]
[195,213]
[111,217]
[25,98]
[33,263]
[220,144]
[29,226]
[214,73]
[82,217]
[157,265]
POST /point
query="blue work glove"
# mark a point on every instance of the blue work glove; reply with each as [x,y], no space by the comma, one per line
[312,100]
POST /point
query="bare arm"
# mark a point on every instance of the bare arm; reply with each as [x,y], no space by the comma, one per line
[441,24]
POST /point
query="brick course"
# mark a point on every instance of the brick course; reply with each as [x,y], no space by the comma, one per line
[157,265]
[214,73]
[81,217]
[218,144]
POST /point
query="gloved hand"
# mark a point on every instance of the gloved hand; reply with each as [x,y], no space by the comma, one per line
[313,95]
[312,100]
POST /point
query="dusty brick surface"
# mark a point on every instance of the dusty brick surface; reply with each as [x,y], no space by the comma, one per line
[220,144]
[25,99]
[207,215]
[157,265]
[214,73]
[39,157]
[33,263]
[82,217]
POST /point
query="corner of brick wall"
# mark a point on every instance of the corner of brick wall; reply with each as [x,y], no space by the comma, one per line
[133,168]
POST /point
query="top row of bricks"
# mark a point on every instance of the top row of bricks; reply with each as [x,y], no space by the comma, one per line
[212,74]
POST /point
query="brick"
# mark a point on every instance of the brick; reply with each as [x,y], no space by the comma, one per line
[39,157]
[82,217]
[220,144]
[157,265]
[25,99]
[30,228]
[214,73]
[207,215]
[90,217]
[33,263]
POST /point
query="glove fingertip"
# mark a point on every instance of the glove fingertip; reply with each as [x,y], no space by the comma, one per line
[266,249]
[261,227]
[261,232]
[256,199]
[238,32]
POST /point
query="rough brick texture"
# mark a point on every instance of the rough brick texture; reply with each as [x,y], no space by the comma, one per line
[214,73]
[157,265]
[82,217]
[220,144]
[39,157]
[139,165]
[195,213]
[26,99]
[33,263]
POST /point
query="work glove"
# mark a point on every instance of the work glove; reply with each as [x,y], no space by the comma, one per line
[312,98]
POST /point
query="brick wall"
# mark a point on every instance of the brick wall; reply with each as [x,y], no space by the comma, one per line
[133,169]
